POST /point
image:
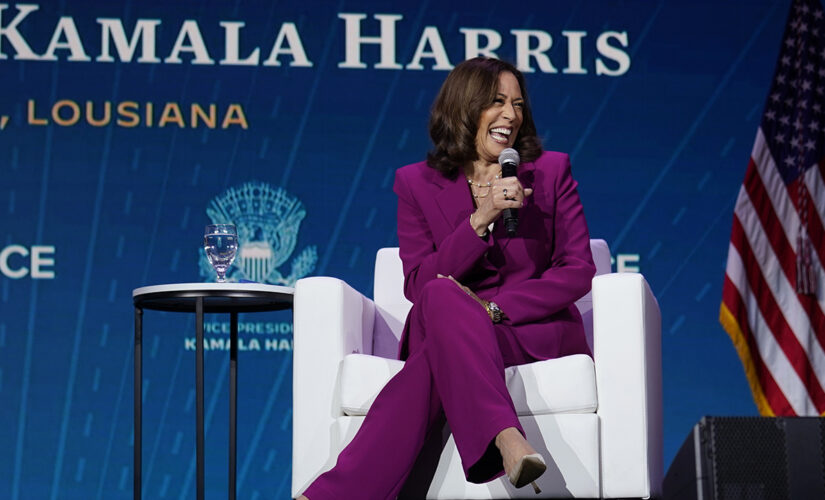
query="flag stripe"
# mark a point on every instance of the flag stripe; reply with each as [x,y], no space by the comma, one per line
[769,265]
[752,321]
[774,318]
[816,188]
[762,206]
[785,211]
[793,304]
[814,181]
[783,198]
[762,383]
[815,229]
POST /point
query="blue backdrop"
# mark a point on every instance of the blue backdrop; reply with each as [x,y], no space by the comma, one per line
[214,105]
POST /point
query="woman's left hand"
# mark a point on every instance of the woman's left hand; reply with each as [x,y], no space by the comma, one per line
[467,290]
[504,193]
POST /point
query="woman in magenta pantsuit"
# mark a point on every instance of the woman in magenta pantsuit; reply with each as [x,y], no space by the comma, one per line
[482,301]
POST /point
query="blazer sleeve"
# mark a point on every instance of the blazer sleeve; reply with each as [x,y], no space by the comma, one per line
[423,260]
[570,270]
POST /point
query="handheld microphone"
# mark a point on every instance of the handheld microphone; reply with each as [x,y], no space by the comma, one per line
[509,161]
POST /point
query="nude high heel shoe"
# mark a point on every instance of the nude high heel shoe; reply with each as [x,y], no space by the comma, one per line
[527,470]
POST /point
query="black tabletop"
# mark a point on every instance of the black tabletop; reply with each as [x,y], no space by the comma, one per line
[217,297]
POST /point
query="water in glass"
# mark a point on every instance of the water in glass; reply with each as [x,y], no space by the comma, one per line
[221,244]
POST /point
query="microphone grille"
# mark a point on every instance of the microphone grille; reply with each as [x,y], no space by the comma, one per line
[509,155]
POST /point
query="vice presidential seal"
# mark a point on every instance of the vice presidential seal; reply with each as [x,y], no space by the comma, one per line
[268,220]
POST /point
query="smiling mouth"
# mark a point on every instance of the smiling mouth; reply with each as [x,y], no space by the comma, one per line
[501,135]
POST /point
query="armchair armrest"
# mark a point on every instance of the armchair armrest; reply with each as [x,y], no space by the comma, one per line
[331,320]
[628,360]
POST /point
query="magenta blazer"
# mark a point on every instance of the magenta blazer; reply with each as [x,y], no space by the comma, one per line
[535,277]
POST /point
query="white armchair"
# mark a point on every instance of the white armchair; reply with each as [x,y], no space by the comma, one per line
[598,425]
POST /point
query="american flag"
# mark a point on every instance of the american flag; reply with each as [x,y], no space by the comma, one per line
[773,297]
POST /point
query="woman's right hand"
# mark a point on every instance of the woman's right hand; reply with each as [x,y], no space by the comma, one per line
[504,193]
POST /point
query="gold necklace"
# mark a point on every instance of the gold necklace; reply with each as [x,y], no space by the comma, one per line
[475,185]
[476,196]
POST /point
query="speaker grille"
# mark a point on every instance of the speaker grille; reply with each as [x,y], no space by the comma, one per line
[750,459]
[822,443]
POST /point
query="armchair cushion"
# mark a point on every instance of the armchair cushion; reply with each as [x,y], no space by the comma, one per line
[533,387]
[362,378]
[536,390]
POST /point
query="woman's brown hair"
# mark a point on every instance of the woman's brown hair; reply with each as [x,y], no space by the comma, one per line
[470,88]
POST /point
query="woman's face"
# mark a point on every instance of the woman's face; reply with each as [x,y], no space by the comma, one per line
[499,124]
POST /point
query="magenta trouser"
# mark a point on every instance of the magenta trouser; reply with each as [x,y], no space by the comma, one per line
[456,366]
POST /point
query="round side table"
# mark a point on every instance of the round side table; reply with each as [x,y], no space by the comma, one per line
[200,298]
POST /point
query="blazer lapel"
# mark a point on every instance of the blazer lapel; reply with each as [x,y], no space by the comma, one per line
[456,205]
[527,177]
[453,199]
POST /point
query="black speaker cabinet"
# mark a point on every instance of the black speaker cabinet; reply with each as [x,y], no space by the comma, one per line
[750,458]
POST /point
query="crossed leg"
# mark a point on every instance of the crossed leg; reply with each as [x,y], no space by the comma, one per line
[456,366]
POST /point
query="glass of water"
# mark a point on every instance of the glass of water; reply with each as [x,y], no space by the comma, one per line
[221,244]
